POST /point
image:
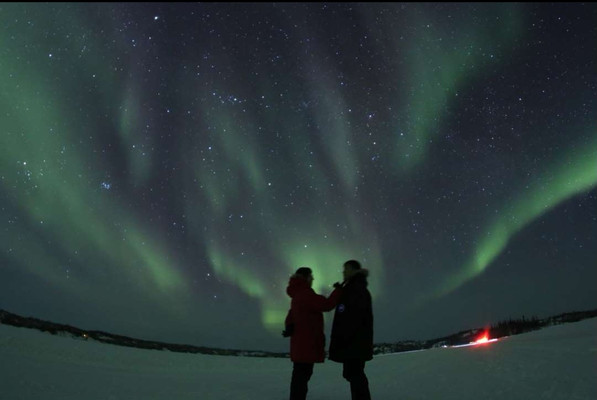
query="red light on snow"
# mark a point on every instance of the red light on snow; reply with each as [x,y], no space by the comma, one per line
[483,339]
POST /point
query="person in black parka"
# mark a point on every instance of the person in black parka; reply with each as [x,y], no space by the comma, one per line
[351,340]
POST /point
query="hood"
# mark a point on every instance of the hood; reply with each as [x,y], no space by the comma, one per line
[296,284]
[360,277]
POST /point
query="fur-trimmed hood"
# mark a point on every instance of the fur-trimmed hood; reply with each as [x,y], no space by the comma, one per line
[360,277]
[297,284]
[362,271]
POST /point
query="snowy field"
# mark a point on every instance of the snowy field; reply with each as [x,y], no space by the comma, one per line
[559,362]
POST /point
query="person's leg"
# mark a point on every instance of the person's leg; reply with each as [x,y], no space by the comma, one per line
[354,372]
[301,373]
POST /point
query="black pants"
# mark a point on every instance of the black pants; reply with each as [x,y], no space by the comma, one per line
[354,372]
[301,373]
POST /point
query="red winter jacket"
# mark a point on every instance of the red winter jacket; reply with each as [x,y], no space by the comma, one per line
[307,343]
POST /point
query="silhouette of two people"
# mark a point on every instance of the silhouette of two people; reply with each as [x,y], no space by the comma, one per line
[352,330]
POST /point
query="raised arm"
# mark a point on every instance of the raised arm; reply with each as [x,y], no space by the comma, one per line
[320,303]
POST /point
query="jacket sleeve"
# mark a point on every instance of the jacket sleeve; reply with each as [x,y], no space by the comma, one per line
[316,302]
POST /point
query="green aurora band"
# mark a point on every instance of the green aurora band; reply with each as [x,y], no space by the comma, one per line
[290,241]
[437,71]
[57,189]
[574,173]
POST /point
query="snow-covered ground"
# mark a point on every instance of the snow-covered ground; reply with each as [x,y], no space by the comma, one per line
[559,362]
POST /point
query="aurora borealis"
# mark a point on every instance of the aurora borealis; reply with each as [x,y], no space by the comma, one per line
[164,168]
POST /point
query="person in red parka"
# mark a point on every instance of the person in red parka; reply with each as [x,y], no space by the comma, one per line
[304,325]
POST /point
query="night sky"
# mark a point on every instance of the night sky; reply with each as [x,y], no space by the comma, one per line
[164,168]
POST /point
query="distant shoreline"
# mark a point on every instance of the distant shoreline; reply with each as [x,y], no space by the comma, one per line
[500,329]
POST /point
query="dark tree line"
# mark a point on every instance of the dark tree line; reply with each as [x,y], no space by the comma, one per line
[515,327]
[119,340]
[504,328]
[501,329]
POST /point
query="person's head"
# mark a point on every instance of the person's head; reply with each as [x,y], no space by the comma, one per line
[306,274]
[350,268]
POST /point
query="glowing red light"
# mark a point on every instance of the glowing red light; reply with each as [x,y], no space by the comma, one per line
[483,339]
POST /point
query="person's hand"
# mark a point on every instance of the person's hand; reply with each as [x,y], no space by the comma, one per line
[288,331]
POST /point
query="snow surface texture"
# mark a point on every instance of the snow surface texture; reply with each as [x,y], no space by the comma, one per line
[559,362]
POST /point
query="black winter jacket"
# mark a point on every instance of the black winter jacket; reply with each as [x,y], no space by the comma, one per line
[352,329]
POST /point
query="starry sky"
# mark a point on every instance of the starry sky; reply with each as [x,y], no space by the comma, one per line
[164,168]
